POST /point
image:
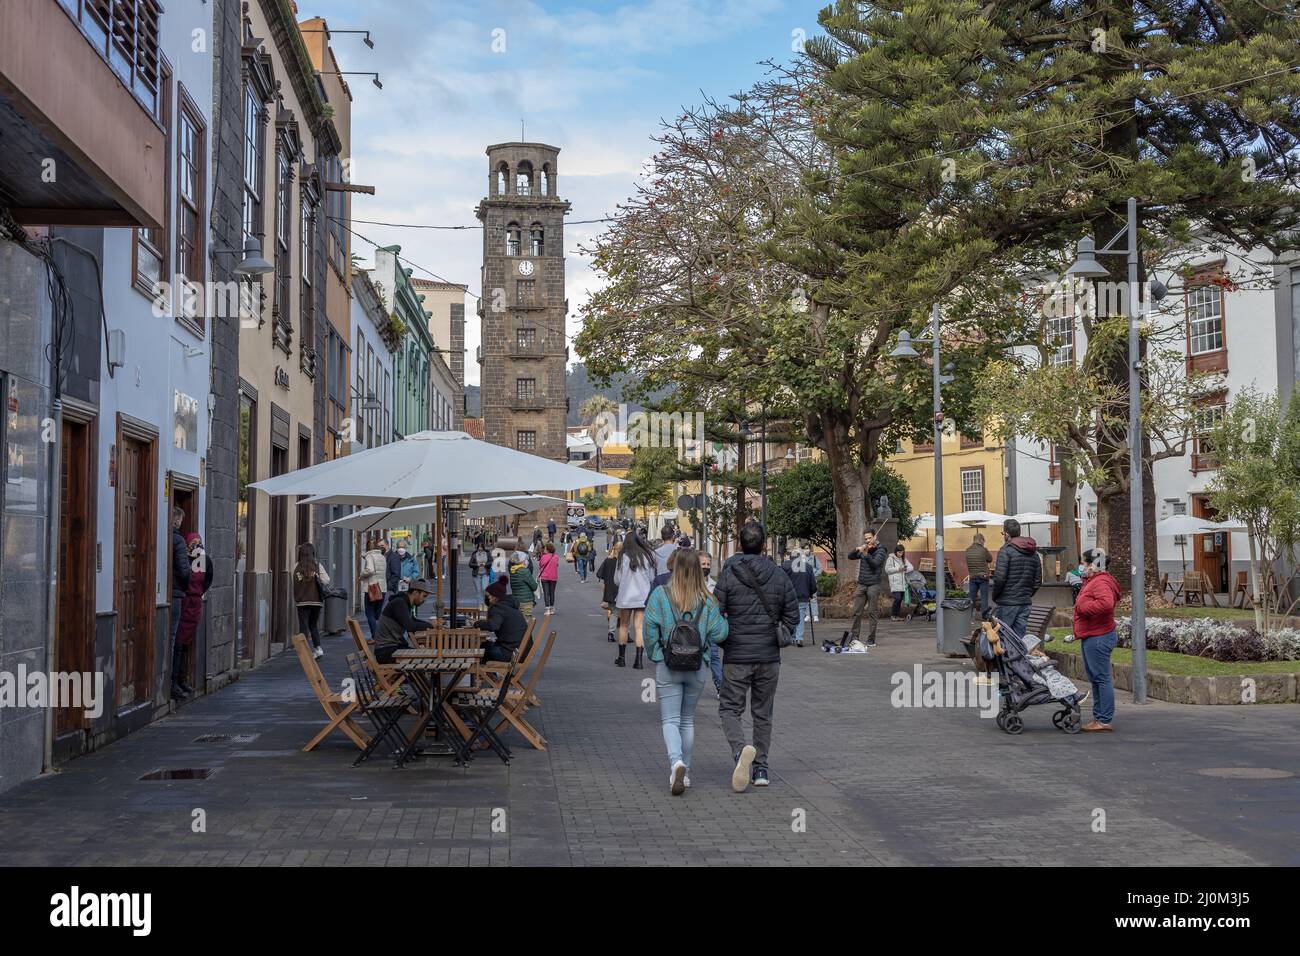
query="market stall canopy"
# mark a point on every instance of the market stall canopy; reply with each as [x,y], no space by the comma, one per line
[426,466]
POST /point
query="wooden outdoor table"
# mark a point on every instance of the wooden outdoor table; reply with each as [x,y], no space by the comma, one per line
[426,667]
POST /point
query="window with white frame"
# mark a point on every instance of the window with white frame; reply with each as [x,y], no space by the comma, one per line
[1060,333]
[972,489]
[1205,319]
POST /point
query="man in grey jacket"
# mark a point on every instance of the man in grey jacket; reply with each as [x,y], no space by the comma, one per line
[749,584]
[871,562]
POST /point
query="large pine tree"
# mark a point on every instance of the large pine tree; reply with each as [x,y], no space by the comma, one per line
[975,140]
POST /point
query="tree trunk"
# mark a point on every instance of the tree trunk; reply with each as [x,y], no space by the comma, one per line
[849,488]
[1068,516]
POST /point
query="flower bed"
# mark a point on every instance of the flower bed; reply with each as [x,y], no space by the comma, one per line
[1216,639]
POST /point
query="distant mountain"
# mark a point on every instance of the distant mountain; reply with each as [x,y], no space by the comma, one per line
[581,388]
[473,405]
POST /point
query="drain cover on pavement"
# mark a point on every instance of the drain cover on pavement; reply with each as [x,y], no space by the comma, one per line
[185,773]
[1246,773]
[224,738]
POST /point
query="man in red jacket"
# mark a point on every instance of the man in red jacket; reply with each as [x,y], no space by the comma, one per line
[1094,626]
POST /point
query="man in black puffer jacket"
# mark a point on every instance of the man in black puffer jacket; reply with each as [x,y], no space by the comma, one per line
[1016,576]
[751,660]
[871,581]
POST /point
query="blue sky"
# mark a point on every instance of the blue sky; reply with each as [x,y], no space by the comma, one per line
[591,78]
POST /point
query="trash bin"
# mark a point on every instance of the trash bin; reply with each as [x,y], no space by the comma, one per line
[956,626]
[336,610]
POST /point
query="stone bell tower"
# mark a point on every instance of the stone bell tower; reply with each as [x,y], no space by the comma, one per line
[523,307]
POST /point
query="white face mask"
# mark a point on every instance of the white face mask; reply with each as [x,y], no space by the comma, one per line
[402,552]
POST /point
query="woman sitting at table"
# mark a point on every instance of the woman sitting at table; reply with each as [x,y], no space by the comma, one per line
[504,619]
[398,620]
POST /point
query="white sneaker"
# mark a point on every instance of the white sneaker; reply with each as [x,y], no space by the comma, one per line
[686,782]
[816,619]
[806,617]
[740,776]
[318,653]
[677,778]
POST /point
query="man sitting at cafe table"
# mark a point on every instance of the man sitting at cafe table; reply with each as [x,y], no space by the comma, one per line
[504,619]
[398,620]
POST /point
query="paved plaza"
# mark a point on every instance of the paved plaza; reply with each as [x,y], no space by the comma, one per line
[855,781]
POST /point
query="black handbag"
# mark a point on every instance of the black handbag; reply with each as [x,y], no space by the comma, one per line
[784,635]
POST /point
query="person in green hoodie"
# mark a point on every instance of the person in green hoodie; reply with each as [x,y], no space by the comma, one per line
[522,583]
[678,691]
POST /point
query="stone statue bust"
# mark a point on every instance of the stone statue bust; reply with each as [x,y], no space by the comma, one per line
[883,511]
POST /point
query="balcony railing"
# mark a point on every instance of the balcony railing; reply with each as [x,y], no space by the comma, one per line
[125,34]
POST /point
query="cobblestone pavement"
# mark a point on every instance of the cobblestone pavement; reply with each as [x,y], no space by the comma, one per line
[855,780]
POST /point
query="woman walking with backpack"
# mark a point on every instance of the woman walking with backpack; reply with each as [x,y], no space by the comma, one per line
[682,622]
[309,583]
[549,574]
[636,572]
[609,589]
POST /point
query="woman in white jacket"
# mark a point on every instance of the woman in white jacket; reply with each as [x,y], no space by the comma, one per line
[637,568]
[374,575]
[897,567]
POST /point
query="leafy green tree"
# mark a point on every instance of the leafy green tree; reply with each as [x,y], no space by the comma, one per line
[996,134]
[801,503]
[650,479]
[1257,447]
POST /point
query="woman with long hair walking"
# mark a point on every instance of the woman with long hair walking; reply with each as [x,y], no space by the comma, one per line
[549,574]
[637,568]
[685,598]
[309,583]
[609,589]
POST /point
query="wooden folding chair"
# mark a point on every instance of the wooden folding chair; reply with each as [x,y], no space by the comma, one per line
[337,707]
[384,708]
[1241,597]
[523,695]
[492,671]
[386,675]
[1194,589]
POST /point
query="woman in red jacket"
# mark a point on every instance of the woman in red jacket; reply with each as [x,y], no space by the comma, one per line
[196,592]
[1094,626]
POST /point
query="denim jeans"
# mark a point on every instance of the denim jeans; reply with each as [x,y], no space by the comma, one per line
[816,608]
[678,693]
[480,583]
[373,610]
[1013,616]
[978,588]
[798,630]
[1096,664]
[715,667]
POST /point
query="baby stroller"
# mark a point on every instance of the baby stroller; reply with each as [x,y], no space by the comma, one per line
[1027,679]
[922,597]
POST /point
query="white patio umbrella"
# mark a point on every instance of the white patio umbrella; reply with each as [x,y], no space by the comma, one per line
[1036,517]
[1179,526]
[975,519]
[367,519]
[426,466]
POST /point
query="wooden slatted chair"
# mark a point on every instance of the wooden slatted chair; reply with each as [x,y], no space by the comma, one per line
[492,671]
[338,708]
[523,695]
[1040,618]
[387,676]
[384,708]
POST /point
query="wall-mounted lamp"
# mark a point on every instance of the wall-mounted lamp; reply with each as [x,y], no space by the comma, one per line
[365,39]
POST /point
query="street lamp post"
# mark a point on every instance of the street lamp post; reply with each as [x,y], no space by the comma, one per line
[942,377]
[1086,266]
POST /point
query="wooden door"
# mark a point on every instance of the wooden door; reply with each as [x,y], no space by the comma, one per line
[135,570]
[1213,551]
[75,632]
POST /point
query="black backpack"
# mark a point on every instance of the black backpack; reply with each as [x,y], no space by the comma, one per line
[684,649]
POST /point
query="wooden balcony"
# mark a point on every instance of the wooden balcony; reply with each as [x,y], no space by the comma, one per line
[79,86]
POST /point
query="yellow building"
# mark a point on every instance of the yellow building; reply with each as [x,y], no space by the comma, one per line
[972,481]
[612,459]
